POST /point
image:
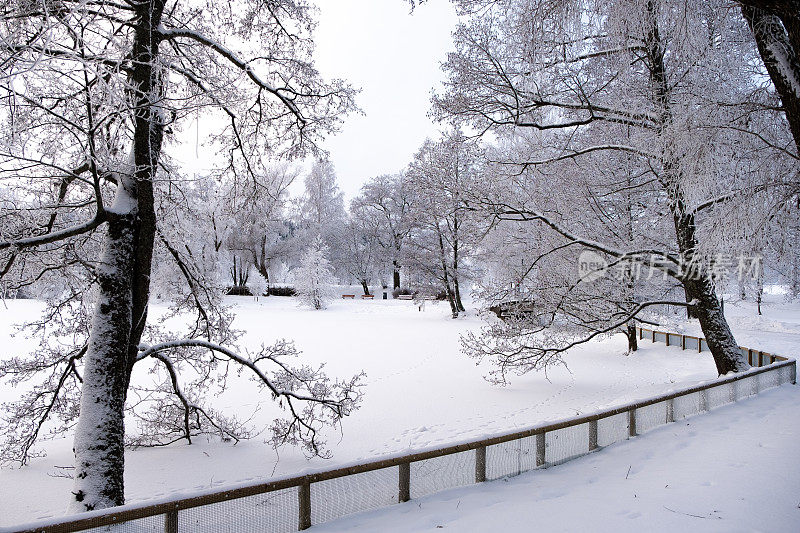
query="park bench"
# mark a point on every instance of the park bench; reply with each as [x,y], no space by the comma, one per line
[367,296]
[348,296]
[405,297]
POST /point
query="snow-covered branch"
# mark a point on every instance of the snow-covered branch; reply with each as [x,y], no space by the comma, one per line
[325,403]
[230,56]
[514,348]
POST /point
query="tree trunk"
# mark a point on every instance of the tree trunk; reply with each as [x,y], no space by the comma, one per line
[708,308]
[776,29]
[456,289]
[99,447]
[759,290]
[395,275]
[445,277]
[124,288]
[457,295]
[698,284]
[727,355]
[633,337]
[365,287]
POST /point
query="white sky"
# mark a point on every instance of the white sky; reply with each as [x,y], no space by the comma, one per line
[394,56]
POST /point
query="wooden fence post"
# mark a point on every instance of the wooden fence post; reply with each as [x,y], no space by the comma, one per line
[480,464]
[404,493]
[171,522]
[592,435]
[632,423]
[670,410]
[683,342]
[750,356]
[699,345]
[540,449]
[304,499]
[654,335]
[703,400]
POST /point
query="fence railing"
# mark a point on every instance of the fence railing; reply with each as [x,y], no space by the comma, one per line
[699,344]
[297,502]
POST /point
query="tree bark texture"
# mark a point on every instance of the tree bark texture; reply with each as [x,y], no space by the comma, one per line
[124,287]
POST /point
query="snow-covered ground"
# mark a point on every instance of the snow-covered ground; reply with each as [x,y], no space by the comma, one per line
[421,391]
[734,469]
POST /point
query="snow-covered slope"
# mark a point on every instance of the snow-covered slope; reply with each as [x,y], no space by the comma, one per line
[734,469]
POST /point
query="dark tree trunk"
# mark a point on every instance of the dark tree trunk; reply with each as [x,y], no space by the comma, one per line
[260,260]
[457,295]
[445,276]
[448,290]
[456,289]
[633,337]
[708,308]
[689,309]
[698,284]
[726,353]
[759,292]
[99,445]
[395,275]
[776,26]
[365,287]
[124,289]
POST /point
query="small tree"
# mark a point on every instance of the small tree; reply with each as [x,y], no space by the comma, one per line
[314,279]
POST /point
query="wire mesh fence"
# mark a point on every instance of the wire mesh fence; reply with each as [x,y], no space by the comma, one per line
[334,498]
[298,503]
[271,511]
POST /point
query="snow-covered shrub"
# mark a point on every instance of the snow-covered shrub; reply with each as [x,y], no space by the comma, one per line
[314,279]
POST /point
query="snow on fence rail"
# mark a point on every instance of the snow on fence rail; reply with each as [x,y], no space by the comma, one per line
[298,502]
[689,342]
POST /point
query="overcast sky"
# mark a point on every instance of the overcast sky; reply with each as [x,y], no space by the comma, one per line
[394,56]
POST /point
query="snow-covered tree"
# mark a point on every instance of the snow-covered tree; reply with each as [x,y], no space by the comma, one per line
[602,82]
[252,227]
[322,212]
[360,247]
[313,279]
[384,205]
[775,25]
[441,177]
[94,96]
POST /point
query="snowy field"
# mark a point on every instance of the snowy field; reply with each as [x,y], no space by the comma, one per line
[420,392]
